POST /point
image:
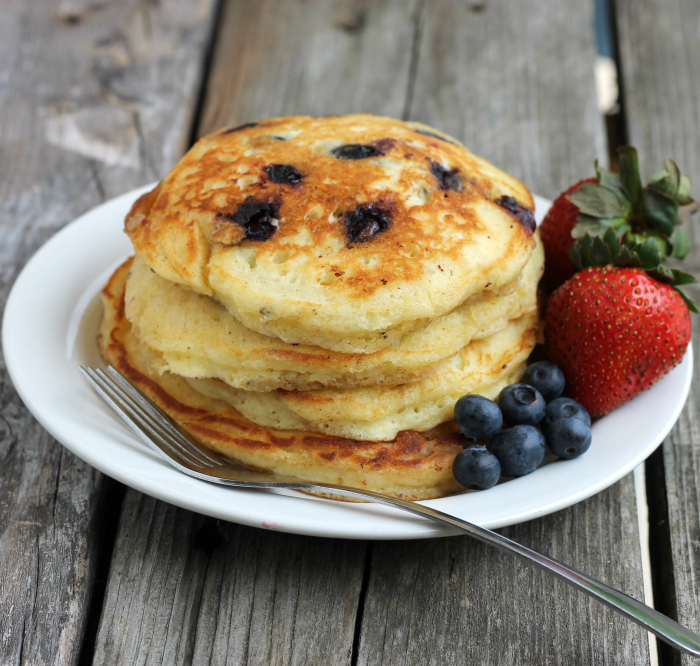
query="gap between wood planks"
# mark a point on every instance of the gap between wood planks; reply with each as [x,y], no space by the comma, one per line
[617,136]
[640,491]
[207,62]
[113,498]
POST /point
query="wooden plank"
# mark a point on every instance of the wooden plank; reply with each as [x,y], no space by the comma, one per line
[514,81]
[455,601]
[532,111]
[188,589]
[88,108]
[660,62]
[286,57]
[259,598]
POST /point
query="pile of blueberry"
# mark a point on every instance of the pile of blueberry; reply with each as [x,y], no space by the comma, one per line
[564,427]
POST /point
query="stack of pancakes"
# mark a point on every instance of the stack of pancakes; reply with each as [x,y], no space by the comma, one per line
[312,296]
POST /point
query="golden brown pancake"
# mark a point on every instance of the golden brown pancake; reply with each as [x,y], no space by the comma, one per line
[196,337]
[341,232]
[413,466]
[483,367]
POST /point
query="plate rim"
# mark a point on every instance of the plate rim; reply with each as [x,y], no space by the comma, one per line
[398,525]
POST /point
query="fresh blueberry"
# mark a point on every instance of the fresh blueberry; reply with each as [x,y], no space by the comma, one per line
[569,438]
[521,404]
[478,417]
[547,378]
[563,408]
[476,468]
[519,449]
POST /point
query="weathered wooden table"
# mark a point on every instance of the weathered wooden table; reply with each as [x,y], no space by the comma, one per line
[97,97]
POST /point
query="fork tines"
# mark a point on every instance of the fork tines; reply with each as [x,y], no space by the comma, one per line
[144,419]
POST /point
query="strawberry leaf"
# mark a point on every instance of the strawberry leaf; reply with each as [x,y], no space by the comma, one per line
[683,194]
[680,244]
[667,181]
[613,242]
[637,239]
[602,250]
[579,250]
[600,254]
[594,250]
[629,173]
[608,249]
[622,230]
[627,259]
[692,305]
[660,209]
[598,201]
[680,278]
[649,253]
[661,273]
[607,179]
[635,212]
[675,174]
[588,226]
[575,257]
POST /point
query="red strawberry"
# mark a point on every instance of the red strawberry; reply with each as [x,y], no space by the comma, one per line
[614,332]
[555,232]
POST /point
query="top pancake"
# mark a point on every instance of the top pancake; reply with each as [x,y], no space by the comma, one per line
[341,232]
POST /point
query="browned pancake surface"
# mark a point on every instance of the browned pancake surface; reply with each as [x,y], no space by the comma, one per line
[342,232]
[413,466]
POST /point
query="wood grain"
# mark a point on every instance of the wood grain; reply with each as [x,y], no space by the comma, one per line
[287,57]
[660,62]
[515,81]
[188,589]
[89,107]
[455,601]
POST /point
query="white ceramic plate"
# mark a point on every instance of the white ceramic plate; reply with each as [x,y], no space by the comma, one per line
[50,327]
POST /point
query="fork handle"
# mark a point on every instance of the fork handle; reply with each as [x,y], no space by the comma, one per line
[665,628]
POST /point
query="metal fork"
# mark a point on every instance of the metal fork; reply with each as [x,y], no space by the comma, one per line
[189,456]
